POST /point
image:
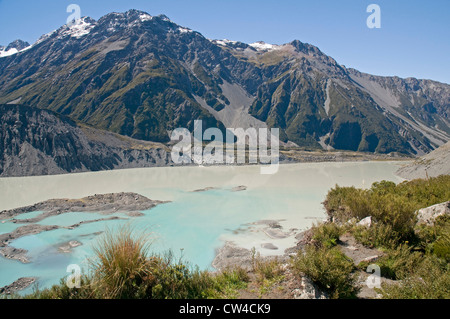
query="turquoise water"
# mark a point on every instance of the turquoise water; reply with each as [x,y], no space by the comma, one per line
[194,224]
[7,226]
[28,215]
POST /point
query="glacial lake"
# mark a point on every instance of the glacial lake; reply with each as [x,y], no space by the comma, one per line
[193,224]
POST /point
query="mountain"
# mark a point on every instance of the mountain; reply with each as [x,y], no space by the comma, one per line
[19,45]
[13,48]
[142,76]
[431,165]
[40,142]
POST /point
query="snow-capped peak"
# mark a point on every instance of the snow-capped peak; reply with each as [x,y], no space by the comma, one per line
[262,46]
[79,28]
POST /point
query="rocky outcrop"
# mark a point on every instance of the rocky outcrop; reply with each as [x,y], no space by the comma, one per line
[428,215]
[308,290]
[102,203]
[15,254]
[358,252]
[239,188]
[230,255]
[67,247]
[365,221]
[16,286]
[26,230]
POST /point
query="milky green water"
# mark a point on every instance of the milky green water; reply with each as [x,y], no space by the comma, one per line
[193,224]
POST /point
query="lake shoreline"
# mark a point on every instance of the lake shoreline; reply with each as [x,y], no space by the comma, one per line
[287,157]
[231,254]
[216,189]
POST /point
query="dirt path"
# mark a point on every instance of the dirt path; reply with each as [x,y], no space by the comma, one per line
[358,253]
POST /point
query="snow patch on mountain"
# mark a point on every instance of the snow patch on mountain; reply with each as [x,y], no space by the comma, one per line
[145,17]
[184,30]
[8,53]
[4,53]
[262,46]
[223,42]
[78,29]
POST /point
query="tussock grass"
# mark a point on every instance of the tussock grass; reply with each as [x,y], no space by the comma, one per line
[122,263]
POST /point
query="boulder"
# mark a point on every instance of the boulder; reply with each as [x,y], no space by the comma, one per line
[308,290]
[428,215]
[366,221]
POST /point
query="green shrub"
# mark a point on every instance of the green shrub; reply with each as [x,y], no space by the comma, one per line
[377,235]
[330,269]
[326,234]
[177,281]
[431,280]
[383,187]
[435,239]
[397,211]
[265,269]
[387,203]
[399,263]
[228,282]
[426,192]
[441,247]
[336,202]
[62,291]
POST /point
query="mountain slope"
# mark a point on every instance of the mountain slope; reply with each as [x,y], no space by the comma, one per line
[431,165]
[143,76]
[116,77]
[39,142]
[317,101]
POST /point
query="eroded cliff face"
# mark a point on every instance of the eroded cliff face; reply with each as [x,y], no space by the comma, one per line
[39,142]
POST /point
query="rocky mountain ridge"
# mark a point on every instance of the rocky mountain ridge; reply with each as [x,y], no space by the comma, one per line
[142,76]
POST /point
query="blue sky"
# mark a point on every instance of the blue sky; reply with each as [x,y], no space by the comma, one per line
[414,39]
